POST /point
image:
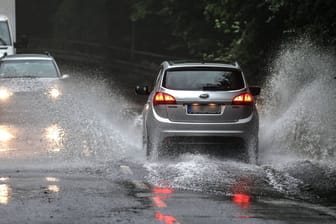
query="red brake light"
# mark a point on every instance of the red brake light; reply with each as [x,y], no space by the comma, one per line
[241,198]
[163,98]
[243,99]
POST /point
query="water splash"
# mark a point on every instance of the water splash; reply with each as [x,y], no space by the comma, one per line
[88,124]
[101,118]
[299,107]
[200,173]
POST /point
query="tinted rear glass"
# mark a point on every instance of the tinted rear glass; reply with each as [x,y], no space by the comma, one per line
[203,79]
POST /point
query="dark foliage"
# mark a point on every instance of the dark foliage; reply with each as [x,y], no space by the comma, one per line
[246,31]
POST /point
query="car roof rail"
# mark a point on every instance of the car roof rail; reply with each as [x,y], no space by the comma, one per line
[236,64]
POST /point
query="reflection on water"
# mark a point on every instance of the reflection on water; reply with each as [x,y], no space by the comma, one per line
[240,190]
[160,195]
[6,135]
[86,149]
[4,194]
[4,179]
[159,190]
[54,188]
[17,138]
[166,219]
[243,200]
[55,136]
[28,141]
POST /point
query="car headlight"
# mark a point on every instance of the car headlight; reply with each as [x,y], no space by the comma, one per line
[5,94]
[54,93]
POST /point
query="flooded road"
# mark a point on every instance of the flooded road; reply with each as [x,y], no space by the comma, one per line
[75,156]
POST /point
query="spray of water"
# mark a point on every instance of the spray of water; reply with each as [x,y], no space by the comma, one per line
[90,124]
[297,134]
[103,118]
[299,106]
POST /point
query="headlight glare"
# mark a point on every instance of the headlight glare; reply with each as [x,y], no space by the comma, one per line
[5,94]
[54,93]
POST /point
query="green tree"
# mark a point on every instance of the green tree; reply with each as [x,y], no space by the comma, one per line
[246,31]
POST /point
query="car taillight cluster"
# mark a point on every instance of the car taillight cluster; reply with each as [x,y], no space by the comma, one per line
[243,99]
[163,98]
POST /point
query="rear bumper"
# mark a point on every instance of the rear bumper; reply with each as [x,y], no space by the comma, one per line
[159,129]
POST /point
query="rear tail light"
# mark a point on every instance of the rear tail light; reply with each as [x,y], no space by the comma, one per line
[243,99]
[163,98]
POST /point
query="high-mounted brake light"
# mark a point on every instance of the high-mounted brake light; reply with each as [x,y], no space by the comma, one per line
[243,99]
[163,98]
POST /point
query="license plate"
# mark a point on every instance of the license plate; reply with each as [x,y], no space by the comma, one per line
[204,109]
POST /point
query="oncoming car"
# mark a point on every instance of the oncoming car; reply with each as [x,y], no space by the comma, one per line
[200,103]
[24,77]
[29,66]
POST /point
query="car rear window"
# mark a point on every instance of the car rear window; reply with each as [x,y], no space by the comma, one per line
[204,79]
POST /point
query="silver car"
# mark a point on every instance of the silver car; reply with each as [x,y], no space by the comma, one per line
[29,79]
[200,103]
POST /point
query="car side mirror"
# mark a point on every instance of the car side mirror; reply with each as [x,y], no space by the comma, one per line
[142,90]
[255,90]
[65,76]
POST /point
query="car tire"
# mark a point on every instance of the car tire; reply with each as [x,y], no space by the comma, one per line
[252,149]
[163,150]
[154,151]
[147,146]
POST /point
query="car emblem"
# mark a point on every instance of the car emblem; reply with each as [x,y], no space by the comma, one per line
[204,96]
